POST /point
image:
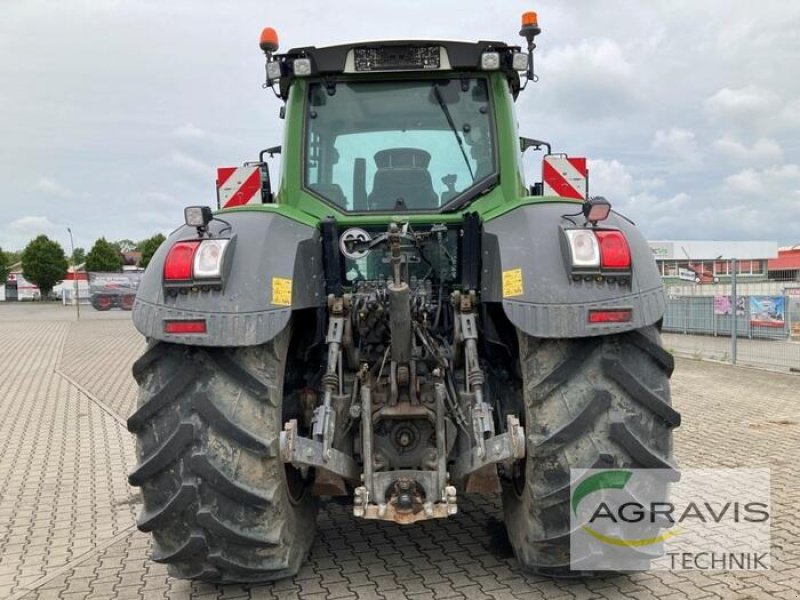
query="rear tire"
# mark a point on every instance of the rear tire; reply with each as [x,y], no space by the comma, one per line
[601,402]
[218,500]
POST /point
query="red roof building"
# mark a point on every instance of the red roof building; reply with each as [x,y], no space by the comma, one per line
[787,266]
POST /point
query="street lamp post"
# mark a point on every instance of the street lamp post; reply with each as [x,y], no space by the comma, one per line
[74,276]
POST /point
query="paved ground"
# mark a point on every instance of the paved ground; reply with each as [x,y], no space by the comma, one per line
[67,514]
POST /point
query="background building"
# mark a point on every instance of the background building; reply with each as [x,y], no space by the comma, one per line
[787,266]
[710,261]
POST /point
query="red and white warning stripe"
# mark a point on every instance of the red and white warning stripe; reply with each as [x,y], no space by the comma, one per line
[238,185]
[565,176]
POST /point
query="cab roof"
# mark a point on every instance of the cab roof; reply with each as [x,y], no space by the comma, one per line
[382,56]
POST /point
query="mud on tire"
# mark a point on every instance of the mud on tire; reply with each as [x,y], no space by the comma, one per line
[589,403]
[218,500]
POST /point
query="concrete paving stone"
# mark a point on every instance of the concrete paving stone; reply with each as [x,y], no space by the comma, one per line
[385,583]
[443,590]
[426,595]
[107,589]
[311,586]
[339,590]
[50,594]
[530,595]
[676,595]
[366,592]
[473,592]
[488,583]
[330,576]
[395,595]
[360,578]
[316,596]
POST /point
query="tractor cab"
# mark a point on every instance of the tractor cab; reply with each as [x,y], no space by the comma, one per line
[396,127]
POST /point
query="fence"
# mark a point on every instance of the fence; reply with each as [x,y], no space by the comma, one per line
[740,321]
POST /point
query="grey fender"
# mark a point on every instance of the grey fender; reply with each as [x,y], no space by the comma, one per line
[551,304]
[251,308]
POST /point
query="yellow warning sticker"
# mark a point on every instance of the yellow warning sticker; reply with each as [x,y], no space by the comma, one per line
[281,291]
[512,283]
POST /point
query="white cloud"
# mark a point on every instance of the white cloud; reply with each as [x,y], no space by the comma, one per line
[762,151]
[32,224]
[590,79]
[16,234]
[742,102]
[52,187]
[191,131]
[609,178]
[790,114]
[675,140]
[189,163]
[773,184]
[679,145]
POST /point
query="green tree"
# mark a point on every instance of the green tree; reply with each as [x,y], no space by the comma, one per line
[13,257]
[4,264]
[78,256]
[148,247]
[103,257]
[44,263]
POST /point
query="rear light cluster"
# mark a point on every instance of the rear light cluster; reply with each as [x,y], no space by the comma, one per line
[598,251]
[194,326]
[195,262]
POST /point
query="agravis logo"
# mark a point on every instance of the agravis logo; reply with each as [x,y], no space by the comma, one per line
[633,519]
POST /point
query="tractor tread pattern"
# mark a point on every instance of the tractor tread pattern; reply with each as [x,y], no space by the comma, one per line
[216,478]
[564,372]
[228,427]
[253,383]
[213,523]
[645,457]
[215,496]
[165,396]
[150,520]
[225,562]
[580,398]
[616,370]
[164,455]
[154,352]
[656,351]
[581,423]
[195,544]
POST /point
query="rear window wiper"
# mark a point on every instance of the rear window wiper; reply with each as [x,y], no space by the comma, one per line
[453,127]
[467,198]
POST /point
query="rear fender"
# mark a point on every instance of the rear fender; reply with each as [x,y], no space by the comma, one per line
[271,255]
[527,241]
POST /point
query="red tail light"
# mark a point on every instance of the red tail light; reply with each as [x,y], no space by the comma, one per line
[178,266]
[614,250]
[198,326]
[615,315]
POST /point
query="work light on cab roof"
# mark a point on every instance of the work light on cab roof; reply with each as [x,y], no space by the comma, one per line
[397,56]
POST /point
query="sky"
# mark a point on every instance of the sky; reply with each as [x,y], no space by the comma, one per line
[114,114]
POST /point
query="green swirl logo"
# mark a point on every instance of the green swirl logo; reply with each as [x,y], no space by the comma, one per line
[611,480]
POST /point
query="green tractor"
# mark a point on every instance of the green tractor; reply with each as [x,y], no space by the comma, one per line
[403,322]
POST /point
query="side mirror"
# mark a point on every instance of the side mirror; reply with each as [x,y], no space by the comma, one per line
[525,143]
